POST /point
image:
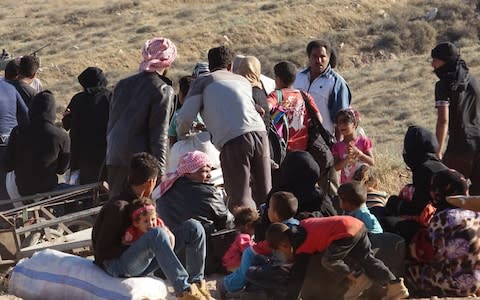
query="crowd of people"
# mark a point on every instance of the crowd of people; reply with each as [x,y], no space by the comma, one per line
[316,195]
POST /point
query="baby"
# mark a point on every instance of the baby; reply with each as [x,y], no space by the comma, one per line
[245,219]
[144,217]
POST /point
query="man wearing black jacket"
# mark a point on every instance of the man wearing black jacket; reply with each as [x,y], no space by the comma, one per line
[139,113]
[38,151]
[457,99]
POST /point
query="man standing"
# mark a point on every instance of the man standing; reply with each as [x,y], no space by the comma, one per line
[27,70]
[457,99]
[329,90]
[225,102]
[140,111]
[13,111]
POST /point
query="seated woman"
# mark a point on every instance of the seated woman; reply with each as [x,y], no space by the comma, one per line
[447,253]
[299,174]
[410,209]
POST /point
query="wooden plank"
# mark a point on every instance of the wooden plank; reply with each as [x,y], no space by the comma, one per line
[63,219]
[79,239]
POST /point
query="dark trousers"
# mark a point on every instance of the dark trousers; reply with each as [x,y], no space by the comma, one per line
[359,250]
[246,169]
[467,163]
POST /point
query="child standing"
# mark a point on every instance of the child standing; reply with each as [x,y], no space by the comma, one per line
[144,217]
[338,237]
[354,150]
[245,219]
[353,196]
[289,101]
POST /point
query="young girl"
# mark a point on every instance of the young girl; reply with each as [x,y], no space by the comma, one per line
[353,150]
[245,219]
[144,217]
[376,199]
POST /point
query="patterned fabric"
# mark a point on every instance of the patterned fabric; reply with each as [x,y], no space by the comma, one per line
[454,269]
[340,150]
[158,54]
[190,162]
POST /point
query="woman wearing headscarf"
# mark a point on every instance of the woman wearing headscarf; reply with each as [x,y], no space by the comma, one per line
[140,111]
[250,68]
[411,210]
[87,117]
[299,174]
[447,252]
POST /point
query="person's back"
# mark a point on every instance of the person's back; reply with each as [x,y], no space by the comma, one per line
[27,69]
[321,232]
[140,111]
[13,110]
[87,118]
[39,151]
[228,107]
[131,116]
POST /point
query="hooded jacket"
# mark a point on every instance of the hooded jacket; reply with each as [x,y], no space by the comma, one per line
[419,148]
[462,93]
[139,114]
[87,122]
[40,150]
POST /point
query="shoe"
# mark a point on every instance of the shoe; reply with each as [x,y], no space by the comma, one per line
[191,293]
[357,287]
[396,290]
[202,288]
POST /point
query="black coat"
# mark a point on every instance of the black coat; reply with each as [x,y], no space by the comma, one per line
[187,199]
[40,150]
[87,122]
[420,146]
[139,115]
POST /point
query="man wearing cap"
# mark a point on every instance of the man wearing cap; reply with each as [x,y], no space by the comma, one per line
[140,111]
[457,99]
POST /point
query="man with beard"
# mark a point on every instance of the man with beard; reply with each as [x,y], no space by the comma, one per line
[457,99]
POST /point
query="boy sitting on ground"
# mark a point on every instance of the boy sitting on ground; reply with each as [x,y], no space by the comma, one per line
[283,206]
[353,196]
[338,237]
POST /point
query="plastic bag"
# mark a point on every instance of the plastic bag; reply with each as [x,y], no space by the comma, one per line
[199,141]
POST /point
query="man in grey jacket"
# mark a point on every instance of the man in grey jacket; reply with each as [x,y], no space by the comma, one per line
[225,102]
[139,113]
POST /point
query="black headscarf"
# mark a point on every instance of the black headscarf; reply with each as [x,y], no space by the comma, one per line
[419,145]
[92,78]
[447,183]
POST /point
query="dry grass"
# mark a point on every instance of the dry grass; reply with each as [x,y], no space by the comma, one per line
[385,46]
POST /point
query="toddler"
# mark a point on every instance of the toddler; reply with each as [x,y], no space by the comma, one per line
[376,199]
[338,237]
[353,196]
[282,208]
[144,217]
[354,150]
[245,219]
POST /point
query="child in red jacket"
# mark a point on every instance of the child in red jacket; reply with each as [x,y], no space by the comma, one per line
[144,217]
[338,237]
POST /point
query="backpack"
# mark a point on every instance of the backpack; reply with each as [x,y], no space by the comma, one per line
[278,133]
[320,140]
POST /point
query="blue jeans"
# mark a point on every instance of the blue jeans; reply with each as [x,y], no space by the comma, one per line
[152,251]
[236,281]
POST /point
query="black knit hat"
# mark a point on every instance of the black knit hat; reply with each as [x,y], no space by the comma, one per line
[446,51]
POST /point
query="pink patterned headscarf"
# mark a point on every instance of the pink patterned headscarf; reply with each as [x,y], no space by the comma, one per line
[158,54]
[190,162]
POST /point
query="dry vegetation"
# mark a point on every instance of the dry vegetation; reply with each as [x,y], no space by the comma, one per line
[385,46]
